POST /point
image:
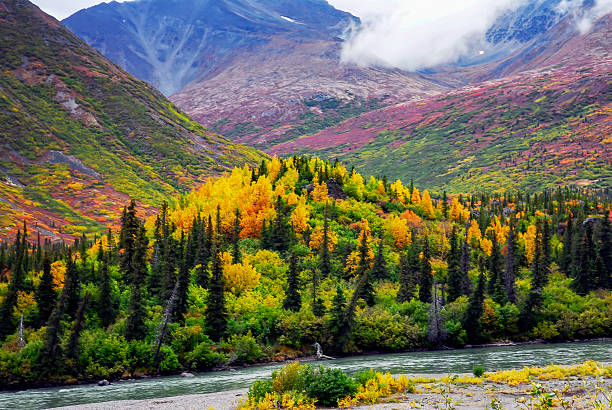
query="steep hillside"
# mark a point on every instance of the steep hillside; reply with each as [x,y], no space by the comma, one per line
[540,128]
[255,71]
[172,43]
[78,135]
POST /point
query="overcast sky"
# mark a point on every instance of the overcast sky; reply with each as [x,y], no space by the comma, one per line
[61,9]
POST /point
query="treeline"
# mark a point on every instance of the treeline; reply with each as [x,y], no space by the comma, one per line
[261,263]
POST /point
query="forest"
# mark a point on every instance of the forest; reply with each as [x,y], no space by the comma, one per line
[259,264]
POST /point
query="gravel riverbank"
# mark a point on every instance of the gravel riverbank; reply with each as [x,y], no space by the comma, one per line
[226,400]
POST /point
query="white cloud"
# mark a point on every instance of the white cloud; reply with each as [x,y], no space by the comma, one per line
[601,8]
[416,34]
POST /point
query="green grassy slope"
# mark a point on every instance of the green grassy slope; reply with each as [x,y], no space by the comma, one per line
[78,135]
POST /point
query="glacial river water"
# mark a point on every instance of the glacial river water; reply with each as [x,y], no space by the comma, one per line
[446,361]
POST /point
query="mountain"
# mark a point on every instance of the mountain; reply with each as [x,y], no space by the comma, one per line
[172,43]
[543,127]
[256,71]
[79,136]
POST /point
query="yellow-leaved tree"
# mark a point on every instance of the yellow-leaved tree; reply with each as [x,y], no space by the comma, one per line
[399,230]
[299,218]
[427,205]
[239,277]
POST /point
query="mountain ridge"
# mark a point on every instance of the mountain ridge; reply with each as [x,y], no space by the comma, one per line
[80,136]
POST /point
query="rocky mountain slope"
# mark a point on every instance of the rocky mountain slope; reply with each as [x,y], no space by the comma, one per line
[543,127]
[254,71]
[79,136]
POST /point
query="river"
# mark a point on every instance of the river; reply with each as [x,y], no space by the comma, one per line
[446,361]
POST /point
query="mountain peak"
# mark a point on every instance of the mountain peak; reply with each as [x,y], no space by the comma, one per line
[170,43]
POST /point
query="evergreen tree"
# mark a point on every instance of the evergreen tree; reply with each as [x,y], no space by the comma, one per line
[605,252]
[539,277]
[436,331]
[455,279]
[51,351]
[466,282]
[426,277]
[473,324]
[7,324]
[106,310]
[72,352]
[279,233]
[408,268]
[566,257]
[203,257]
[379,270]
[366,290]
[336,319]
[135,326]
[236,257]
[183,285]
[324,257]
[130,224]
[510,271]
[444,205]
[216,315]
[45,294]
[497,289]
[72,287]
[584,280]
[318,309]
[293,300]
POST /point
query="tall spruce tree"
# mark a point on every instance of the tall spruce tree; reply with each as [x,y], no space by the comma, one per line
[51,351]
[605,251]
[363,270]
[466,282]
[455,279]
[566,256]
[72,352]
[497,290]
[324,257]
[293,300]
[130,224]
[216,314]
[72,287]
[510,264]
[135,326]
[318,309]
[584,280]
[106,305]
[472,323]
[7,322]
[336,319]
[236,257]
[45,293]
[539,277]
[408,267]
[426,277]
[183,281]
[379,270]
